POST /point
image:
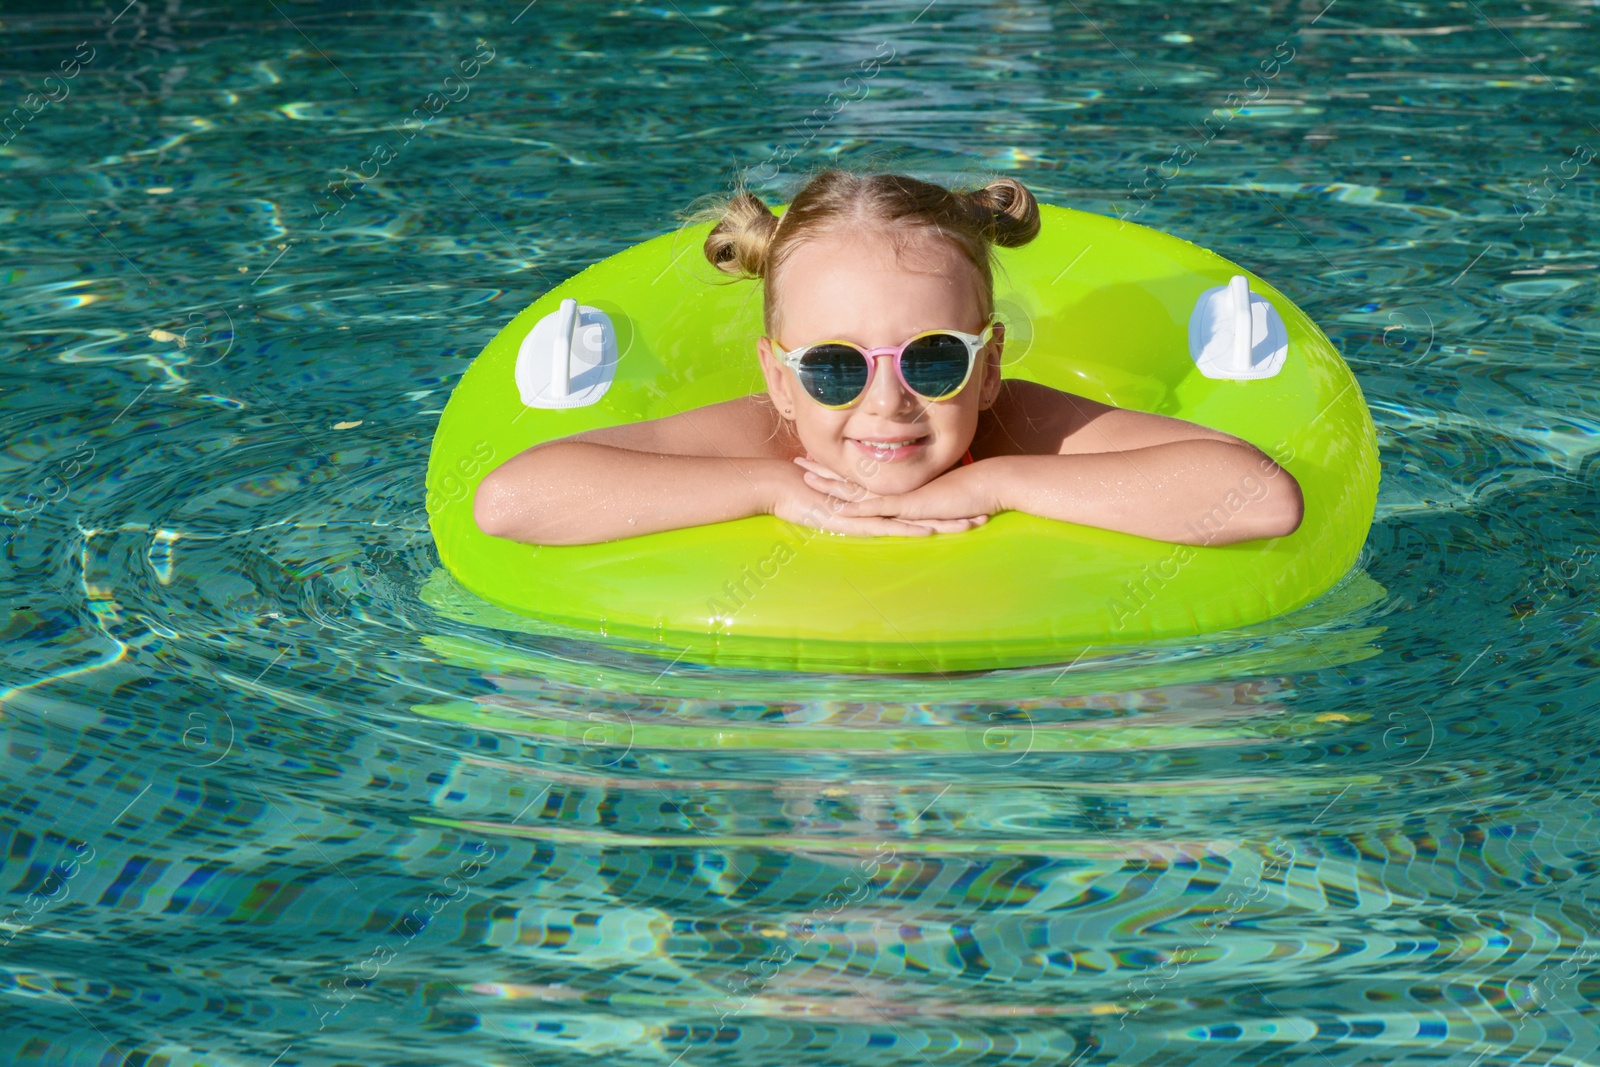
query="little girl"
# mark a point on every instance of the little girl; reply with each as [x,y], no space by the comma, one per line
[885,412]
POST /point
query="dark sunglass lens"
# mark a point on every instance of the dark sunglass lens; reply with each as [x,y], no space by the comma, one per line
[833,374]
[936,365]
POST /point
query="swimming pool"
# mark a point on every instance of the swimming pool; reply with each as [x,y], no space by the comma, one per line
[276,791]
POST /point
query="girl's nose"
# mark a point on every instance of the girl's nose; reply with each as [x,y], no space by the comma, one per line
[887,394]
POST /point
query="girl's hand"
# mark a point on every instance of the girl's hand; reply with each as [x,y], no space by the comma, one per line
[963,495]
[825,480]
[799,502]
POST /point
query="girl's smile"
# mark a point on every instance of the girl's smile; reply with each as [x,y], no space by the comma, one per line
[888,451]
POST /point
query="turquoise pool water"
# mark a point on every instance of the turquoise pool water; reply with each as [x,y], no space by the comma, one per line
[268,799]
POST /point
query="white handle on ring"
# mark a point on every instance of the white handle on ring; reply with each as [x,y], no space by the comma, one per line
[1237,334]
[568,359]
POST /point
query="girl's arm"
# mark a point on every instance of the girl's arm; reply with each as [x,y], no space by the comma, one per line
[576,492]
[1197,492]
[688,469]
[1063,457]
[1135,472]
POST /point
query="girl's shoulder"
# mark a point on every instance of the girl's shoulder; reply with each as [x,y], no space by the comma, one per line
[1029,419]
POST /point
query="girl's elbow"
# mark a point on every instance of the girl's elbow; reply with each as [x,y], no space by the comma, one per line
[1272,509]
[1286,508]
[499,509]
[1277,506]
[1295,505]
[492,508]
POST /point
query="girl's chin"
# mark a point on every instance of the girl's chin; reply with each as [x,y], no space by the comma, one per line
[897,481]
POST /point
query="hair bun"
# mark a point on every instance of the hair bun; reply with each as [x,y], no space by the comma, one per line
[1010,211]
[739,242]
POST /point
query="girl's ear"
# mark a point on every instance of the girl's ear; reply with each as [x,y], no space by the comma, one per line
[991,368]
[780,386]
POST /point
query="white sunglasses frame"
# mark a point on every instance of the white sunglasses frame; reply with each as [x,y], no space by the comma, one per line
[975,343]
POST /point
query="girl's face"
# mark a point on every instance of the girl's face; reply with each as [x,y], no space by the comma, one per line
[852,286]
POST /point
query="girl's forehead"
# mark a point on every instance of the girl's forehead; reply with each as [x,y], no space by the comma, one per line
[873,267]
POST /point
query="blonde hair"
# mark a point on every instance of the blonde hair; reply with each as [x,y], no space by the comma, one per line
[749,241]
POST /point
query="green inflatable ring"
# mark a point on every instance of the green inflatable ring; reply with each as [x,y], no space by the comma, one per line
[1094,306]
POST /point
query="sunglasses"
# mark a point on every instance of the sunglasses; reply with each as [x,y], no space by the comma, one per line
[935,365]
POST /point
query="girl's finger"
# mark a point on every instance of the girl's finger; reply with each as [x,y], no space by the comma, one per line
[879,527]
[891,507]
[836,487]
[813,479]
[948,525]
[877,505]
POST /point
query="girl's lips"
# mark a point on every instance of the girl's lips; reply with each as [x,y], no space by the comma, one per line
[889,450]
